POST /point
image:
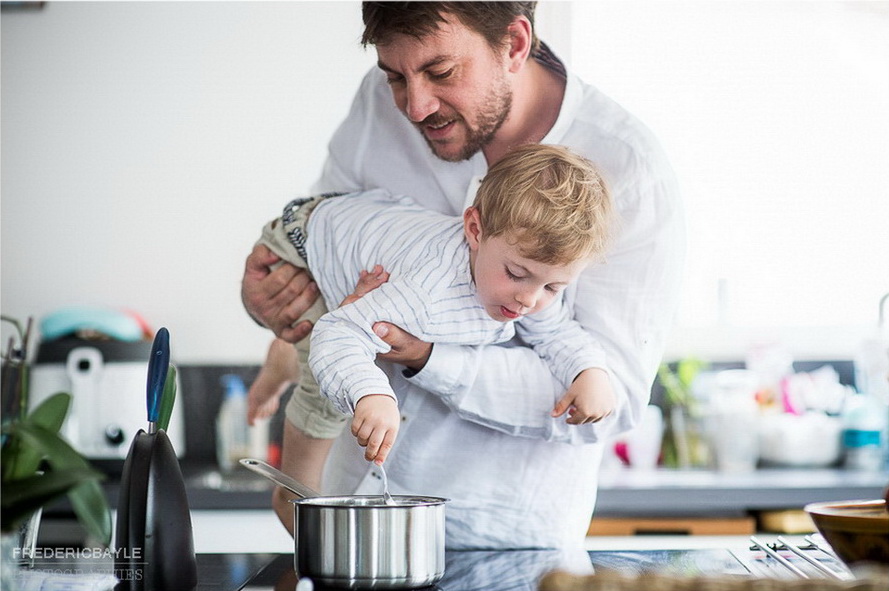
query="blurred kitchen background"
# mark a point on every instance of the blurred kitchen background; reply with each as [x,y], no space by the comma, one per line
[144,144]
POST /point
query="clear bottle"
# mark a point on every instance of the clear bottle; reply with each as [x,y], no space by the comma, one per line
[232,436]
[864,433]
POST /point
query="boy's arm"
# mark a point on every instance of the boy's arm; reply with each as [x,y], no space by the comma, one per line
[563,343]
[575,358]
[344,346]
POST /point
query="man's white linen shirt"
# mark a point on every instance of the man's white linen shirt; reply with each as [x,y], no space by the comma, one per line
[430,293]
[476,420]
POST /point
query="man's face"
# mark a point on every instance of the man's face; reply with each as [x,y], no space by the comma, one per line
[452,85]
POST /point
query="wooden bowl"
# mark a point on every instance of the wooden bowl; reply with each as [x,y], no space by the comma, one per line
[858,531]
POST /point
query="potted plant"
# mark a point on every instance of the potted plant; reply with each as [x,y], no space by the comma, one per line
[684,443]
[38,465]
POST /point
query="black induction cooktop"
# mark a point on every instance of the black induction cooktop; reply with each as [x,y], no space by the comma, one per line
[520,570]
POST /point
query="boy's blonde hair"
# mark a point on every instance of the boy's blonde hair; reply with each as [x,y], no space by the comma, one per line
[550,202]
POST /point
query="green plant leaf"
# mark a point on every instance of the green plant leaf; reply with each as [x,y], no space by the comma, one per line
[688,369]
[50,414]
[21,461]
[168,399]
[91,508]
[10,459]
[676,393]
[87,499]
[23,497]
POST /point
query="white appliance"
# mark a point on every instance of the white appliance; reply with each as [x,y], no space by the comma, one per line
[107,382]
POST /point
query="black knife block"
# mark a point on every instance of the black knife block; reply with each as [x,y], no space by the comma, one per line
[154,542]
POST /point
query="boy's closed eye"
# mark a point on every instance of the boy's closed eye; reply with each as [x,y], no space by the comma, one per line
[514,275]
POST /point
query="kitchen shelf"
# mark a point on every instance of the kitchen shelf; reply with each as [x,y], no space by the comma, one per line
[666,493]
[701,526]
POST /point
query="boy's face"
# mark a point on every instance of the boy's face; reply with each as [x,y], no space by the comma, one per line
[451,85]
[508,284]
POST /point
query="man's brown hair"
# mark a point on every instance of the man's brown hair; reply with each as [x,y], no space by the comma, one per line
[383,20]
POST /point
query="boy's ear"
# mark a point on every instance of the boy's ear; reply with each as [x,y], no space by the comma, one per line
[472,227]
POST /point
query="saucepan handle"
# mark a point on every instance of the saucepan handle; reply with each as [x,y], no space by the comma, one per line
[279,478]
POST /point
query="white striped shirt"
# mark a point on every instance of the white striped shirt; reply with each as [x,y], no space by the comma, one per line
[430,294]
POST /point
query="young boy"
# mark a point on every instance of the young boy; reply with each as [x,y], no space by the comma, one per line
[540,216]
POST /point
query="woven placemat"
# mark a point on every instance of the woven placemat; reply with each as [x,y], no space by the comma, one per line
[874,579]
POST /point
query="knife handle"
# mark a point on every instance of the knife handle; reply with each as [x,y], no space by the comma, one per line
[157,372]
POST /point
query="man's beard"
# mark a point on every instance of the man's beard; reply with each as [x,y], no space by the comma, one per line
[494,112]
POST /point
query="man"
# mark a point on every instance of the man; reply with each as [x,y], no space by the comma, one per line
[469,81]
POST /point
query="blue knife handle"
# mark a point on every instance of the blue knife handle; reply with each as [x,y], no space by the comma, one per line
[158,365]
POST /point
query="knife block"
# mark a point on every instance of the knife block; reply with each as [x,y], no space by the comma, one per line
[154,542]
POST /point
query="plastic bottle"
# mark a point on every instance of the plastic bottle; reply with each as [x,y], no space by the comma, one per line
[864,433]
[232,436]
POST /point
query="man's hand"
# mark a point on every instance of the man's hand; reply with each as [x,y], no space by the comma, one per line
[276,299]
[407,349]
[589,399]
[375,426]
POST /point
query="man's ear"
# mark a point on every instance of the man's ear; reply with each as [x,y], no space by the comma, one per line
[472,227]
[520,36]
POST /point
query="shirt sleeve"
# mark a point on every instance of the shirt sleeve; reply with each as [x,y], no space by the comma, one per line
[563,344]
[343,165]
[626,305]
[344,347]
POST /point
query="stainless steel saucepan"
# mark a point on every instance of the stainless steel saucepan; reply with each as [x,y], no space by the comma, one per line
[361,542]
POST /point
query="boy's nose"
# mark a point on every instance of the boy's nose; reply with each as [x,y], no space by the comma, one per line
[526,299]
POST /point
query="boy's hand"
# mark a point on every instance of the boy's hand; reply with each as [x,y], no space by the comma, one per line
[589,399]
[375,426]
[367,282]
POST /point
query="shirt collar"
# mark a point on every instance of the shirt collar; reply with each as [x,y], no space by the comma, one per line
[570,102]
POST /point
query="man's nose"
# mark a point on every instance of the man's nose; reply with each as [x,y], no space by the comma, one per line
[420,101]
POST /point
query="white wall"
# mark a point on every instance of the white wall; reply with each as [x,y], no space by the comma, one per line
[775,116]
[144,144]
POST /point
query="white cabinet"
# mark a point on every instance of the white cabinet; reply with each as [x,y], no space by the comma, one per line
[239,531]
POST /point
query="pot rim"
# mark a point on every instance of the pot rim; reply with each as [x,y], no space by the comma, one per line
[371,501]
